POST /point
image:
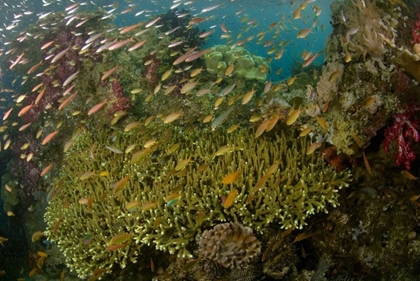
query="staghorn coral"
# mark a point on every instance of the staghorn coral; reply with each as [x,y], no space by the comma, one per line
[169,204]
[230,244]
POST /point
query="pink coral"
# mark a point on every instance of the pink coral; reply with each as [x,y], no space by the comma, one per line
[403,132]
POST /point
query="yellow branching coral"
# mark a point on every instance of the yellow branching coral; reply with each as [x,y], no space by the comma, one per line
[174,183]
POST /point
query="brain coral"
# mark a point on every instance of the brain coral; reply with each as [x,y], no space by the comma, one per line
[230,244]
[110,200]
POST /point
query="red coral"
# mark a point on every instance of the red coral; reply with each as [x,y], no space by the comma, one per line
[415,32]
[403,132]
[121,102]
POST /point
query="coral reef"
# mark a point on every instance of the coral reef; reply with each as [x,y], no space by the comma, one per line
[245,64]
[213,182]
[230,244]
[353,97]
[164,194]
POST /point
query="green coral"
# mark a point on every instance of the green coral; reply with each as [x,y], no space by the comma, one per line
[175,204]
[246,65]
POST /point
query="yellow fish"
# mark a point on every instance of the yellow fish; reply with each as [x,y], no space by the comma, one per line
[232,177]
[291,81]
[230,199]
[293,116]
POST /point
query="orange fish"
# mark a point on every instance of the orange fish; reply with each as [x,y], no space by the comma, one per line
[6,115]
[67,101]
[272,122]
[261,182]
[49,137]
[40,95]
[293,116]
[231,177]
[24,127]
[120,184]
[42,254]
[46,170]
[108,73]
[130,28]
[33,272]
[322,122]
[97,107]
[230,199]
[408,175]
[25,110]
[311,148]
[261,128]
[37,235]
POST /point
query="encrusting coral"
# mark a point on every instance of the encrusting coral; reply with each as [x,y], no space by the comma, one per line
[106,206]
[230,244]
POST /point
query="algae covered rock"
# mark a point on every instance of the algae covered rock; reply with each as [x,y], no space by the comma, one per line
[245,64]
[111,200]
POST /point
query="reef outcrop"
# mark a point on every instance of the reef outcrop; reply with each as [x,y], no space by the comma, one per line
[106,207]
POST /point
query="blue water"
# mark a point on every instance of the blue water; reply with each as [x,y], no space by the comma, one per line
[264,12]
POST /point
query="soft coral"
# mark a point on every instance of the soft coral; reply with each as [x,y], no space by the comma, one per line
[403,132]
